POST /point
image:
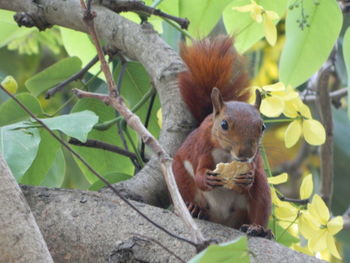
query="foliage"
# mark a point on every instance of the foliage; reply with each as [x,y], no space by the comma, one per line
[287,41]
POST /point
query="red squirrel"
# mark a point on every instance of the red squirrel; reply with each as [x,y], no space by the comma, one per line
[215,89]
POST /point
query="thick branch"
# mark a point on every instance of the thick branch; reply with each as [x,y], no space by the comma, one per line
[84,227]
[20,236]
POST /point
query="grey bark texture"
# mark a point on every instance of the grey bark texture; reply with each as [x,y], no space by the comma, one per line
[81,226]
[162,63]
[20,236]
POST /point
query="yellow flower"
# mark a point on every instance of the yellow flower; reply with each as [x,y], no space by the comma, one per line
[259,14]
[312,130]
[306,187]
[10,84]
[274,97]
[317,227]
[279,179]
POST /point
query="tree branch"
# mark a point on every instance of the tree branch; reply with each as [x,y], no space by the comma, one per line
[21,239]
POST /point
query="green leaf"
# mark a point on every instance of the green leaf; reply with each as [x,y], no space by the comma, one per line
[11,112]
[19,147]
[53,75]
[135,85]
[203,15]
[9,30]
[111,178]
[76,125]
[55,176]
[233,251]
[346,54]
[307,49]
[104,162]
[78,44]
[43,161]
[245,30]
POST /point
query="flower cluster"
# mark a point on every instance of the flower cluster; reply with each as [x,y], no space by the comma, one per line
[277,100]
[260,15]
[312,222]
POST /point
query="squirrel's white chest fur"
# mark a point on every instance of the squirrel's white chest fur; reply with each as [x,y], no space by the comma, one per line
[223,202]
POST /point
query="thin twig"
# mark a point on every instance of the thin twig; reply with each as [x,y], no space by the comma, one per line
[334,95]
[114,190]
[148,117]
[104,146]
[74,77]
[140,8]
[292,200]
[134,122]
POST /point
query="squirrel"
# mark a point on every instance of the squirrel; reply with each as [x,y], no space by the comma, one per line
[215,89]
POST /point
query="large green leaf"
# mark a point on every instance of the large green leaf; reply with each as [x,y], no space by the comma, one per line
[346,53]
[245,30]
[307,49]
[43,161]
[76,125]
[78,44]
[102,161]
[53,75]
[11,112]
[203,15]
[233,251]
[111,178]
[55,176]
[19,147]
[136,83]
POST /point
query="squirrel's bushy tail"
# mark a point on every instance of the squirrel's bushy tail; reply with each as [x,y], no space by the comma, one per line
[212,63]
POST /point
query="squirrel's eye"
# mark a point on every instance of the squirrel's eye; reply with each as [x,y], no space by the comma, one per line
[224,125]
[263,127]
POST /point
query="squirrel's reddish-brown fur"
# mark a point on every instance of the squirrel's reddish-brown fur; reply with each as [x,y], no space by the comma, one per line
[212,63]
[215,63]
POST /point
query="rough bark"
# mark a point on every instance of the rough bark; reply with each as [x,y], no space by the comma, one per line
[160,61]
[20,236]
[82,226]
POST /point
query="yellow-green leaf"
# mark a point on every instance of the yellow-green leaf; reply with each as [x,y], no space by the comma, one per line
[292,133]
[10,84]
[306,187]
[314,132]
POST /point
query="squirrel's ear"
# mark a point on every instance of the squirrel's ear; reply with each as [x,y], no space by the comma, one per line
[258,99]
[217,100]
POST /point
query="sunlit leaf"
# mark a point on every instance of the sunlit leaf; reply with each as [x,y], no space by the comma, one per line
[308,48]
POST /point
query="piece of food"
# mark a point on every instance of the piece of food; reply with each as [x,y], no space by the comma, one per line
[228,171]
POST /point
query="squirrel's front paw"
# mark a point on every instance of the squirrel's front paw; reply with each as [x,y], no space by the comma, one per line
[196,211]
[245,180]
[213,180]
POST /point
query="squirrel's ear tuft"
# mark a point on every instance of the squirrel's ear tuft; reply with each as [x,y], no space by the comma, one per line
[217,101]
[258,99]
